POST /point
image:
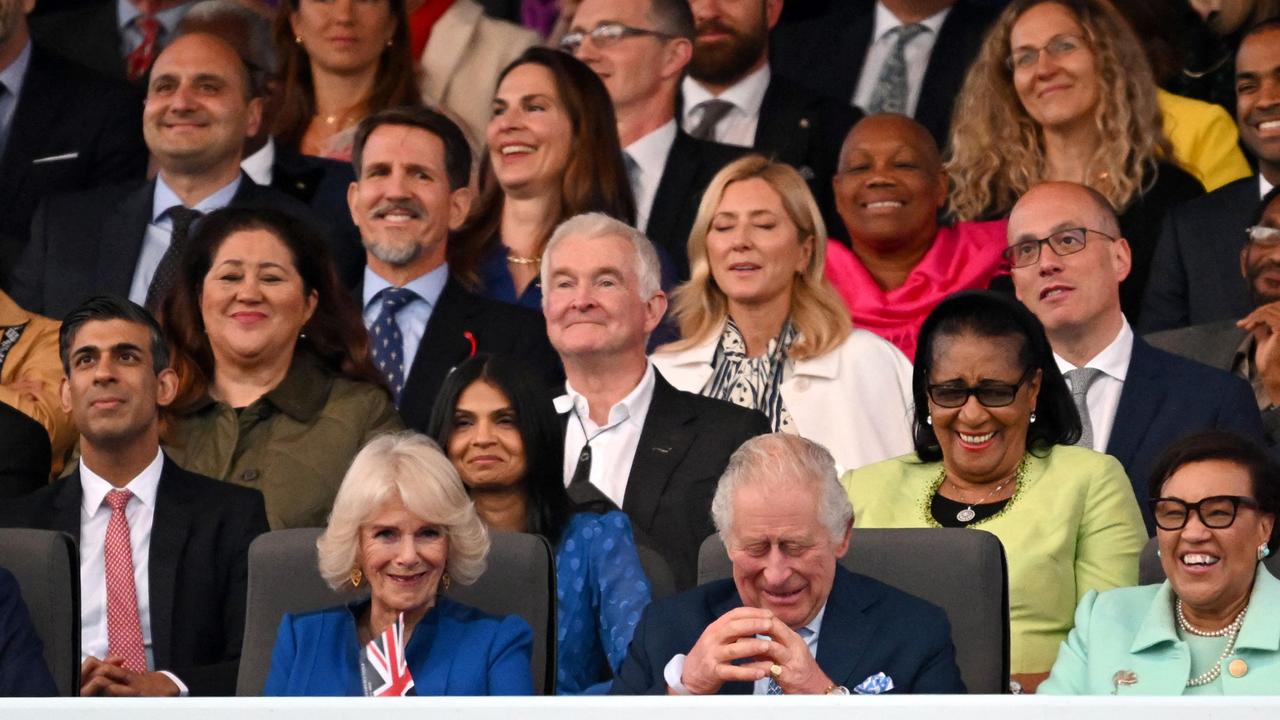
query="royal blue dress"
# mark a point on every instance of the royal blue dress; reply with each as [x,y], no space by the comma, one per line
[600,592]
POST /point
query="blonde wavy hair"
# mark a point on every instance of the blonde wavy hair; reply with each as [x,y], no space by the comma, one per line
[409,466]
[817,312]
[996,149]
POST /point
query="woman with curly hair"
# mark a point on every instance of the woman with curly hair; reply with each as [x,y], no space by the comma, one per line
[1061,90]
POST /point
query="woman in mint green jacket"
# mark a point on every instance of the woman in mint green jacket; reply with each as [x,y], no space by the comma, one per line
[995,426]
[1212,628]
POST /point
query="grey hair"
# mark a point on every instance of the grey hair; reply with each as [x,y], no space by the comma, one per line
[409,466]
[778,459]
[595,226]
[257,41]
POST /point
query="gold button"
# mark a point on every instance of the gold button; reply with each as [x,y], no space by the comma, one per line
[1238,668]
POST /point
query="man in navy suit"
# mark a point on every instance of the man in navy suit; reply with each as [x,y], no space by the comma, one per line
[1195,271]
[791,620]
[1134,401]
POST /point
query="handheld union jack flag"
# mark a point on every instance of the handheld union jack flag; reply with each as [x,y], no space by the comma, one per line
[385,656]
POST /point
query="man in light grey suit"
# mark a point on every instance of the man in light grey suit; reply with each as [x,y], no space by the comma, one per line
[1249,348]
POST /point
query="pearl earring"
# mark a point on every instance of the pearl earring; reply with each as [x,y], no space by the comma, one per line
[1263,551]
[1033,417]
[928,419]
[297,39]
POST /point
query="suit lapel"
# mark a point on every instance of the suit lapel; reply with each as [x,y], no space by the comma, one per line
[663,444]
[66,506]
[122,236]
[291,174]
[780,131]
[169,527]
[852,52]
[443,346]
[1140,398]
[674,187]
[846,631]
[37,103]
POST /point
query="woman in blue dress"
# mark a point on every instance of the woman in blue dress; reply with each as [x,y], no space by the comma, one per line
[502,434]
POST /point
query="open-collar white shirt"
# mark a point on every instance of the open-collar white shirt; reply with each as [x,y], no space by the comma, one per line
[613,445]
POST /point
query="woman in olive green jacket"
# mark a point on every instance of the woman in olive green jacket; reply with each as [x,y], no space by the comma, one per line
[277,390]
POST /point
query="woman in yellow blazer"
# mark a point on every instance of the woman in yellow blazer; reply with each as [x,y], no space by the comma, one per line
[995,426]
[1212,628]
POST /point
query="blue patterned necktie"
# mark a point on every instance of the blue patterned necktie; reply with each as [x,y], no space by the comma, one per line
[890,93]
[388,342]
[776,689]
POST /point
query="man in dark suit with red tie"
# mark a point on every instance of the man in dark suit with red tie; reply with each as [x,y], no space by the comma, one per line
[163,552]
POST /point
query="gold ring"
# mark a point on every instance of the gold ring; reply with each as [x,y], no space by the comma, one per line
[775,670]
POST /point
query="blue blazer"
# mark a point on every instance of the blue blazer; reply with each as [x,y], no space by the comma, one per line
[22,668]
[454,650]
[1131,630]
[1167,397]
[868,628]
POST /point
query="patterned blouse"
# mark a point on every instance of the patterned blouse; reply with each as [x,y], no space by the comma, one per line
[754,383]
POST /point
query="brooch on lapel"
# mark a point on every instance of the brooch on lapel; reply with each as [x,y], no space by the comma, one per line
[1123,677]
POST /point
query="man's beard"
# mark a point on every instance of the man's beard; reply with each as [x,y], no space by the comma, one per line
[727,61]
[1258,296]
[396,256]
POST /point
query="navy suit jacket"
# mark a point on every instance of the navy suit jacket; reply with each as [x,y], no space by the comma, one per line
[868,628]
[25,453]
[86,32]
[1165,398]
[321,184]
[1195,272]
[22,668]
[690,166]
[198,559]
[73,129]
[454,650]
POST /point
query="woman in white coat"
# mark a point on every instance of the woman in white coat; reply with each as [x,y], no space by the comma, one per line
[760,326]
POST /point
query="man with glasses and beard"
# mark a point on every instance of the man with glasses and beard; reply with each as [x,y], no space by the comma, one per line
[1248,348]
[731,95]
[1134,401]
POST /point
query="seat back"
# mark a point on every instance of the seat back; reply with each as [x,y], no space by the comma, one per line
[661,582]
[284,578]
[47,567]
[1151,572]
[961,571]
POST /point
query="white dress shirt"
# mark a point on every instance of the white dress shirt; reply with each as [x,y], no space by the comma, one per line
[1264,187]
[650,155]
[613,445]
[258,165]
[916,53]
[155,241]
[1104,392]
[674,669]
[738,127]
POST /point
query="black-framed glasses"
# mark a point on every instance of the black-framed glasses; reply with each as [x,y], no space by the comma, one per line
[989,394]
[1215,512]
[1263,236]
[605,35]
[1063,242]
[1025,58]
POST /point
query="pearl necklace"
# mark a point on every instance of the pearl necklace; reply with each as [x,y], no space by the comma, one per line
[1231,632]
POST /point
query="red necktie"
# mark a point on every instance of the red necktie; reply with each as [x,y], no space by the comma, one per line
[139,59]
[124,629]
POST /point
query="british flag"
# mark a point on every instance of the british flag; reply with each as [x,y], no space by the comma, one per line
[385,654]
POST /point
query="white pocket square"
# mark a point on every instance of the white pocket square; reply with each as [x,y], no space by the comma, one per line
[874,685]
[56,158]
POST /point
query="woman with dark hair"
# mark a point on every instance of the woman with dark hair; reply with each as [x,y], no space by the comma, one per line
[1215,497]
[276,390]
[504,438]
[994,434]
[553,153]
[340,60]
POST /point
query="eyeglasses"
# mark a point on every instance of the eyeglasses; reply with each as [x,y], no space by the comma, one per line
[1063,242]
[1025,58]
[606,35]
[990,395]
[1215,512]
[1263,236]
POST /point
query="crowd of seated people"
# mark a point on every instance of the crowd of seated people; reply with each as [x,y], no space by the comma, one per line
[711,276]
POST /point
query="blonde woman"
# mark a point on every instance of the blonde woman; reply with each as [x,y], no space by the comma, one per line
[1061,90]
[760,327]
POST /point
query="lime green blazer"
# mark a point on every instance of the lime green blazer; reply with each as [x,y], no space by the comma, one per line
[1131,631]
[1072,525]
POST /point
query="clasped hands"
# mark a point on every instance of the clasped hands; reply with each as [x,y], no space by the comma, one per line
[781,653]
[109,677]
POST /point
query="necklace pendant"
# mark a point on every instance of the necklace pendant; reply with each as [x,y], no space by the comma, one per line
[966,515]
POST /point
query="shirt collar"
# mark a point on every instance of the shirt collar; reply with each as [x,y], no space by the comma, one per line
[1114,358]
[633,405]
[164,198]
[258,165]
[1264,187]
[12,76]
[429,287]
[94,488]
[746,95]
[168,18]
[650,152]
[886,21]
